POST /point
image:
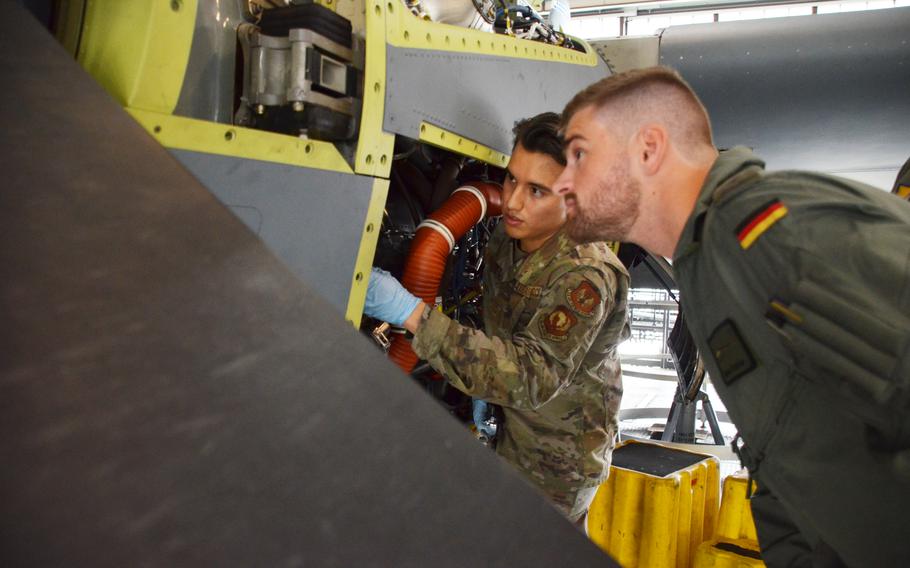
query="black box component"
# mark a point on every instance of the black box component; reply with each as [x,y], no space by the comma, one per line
[279,22]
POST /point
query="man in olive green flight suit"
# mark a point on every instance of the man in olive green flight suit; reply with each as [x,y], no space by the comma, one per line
[554,313]
[796,288]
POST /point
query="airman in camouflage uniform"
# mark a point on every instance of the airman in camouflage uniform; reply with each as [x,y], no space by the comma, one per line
[554,313]
[553,319]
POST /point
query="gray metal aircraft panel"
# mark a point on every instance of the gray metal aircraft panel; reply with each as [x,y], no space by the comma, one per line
[311,219]
[171,395]
[625,53]
[826,92]
[477,96]
[208,83]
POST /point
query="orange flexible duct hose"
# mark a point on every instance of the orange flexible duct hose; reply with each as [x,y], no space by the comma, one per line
[433,243]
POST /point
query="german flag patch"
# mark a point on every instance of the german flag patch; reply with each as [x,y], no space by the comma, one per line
[760,221]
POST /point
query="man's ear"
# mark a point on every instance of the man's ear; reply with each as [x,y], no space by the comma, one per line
[652,143]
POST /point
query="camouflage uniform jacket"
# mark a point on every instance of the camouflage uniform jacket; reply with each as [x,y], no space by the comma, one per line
[548,356]
[796,288]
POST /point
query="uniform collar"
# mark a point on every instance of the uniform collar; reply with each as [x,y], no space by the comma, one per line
[503,252]
[536,260]
[727,165]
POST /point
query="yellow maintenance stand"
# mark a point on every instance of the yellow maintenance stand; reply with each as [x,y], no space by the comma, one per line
[735,543]
[658,505]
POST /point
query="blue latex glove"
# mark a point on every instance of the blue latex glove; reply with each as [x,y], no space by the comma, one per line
[481,411]
[387,299]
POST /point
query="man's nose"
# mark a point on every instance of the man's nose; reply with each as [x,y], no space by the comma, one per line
[563,183]
[515,201]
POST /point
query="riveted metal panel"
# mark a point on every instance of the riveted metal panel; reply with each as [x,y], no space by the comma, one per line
[476,96]
[311,219]
[625,53]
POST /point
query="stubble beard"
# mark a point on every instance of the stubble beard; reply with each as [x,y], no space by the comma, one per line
[612,211]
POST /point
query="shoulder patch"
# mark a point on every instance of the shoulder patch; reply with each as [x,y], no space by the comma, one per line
[903,191]
[556,324]
[730,352]
[760,221]
[584,299]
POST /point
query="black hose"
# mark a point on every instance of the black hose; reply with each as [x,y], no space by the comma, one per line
[446,182]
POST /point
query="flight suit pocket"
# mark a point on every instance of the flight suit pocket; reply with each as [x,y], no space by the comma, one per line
[849,348]
[850,317]
[772,413]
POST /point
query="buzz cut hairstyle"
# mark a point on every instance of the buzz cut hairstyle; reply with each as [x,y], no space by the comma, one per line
[541,134]
[652,93]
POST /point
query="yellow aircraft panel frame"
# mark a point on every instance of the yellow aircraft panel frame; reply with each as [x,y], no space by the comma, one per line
[374,146]
[442,138]
[367,251]
[139,50]
[226,140]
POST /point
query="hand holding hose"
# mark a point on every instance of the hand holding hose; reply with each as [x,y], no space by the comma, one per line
[388,300]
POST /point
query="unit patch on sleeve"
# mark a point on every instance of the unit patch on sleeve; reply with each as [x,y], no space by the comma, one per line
[730,352]
[584,299]
[759,221]
[556,324]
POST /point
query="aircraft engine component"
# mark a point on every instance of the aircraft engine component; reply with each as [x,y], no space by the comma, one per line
[434,241]
[525,23]
[476,14]
[336,155]
[299,80]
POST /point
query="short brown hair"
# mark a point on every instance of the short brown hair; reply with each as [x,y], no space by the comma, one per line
[540,134]
[642,91]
